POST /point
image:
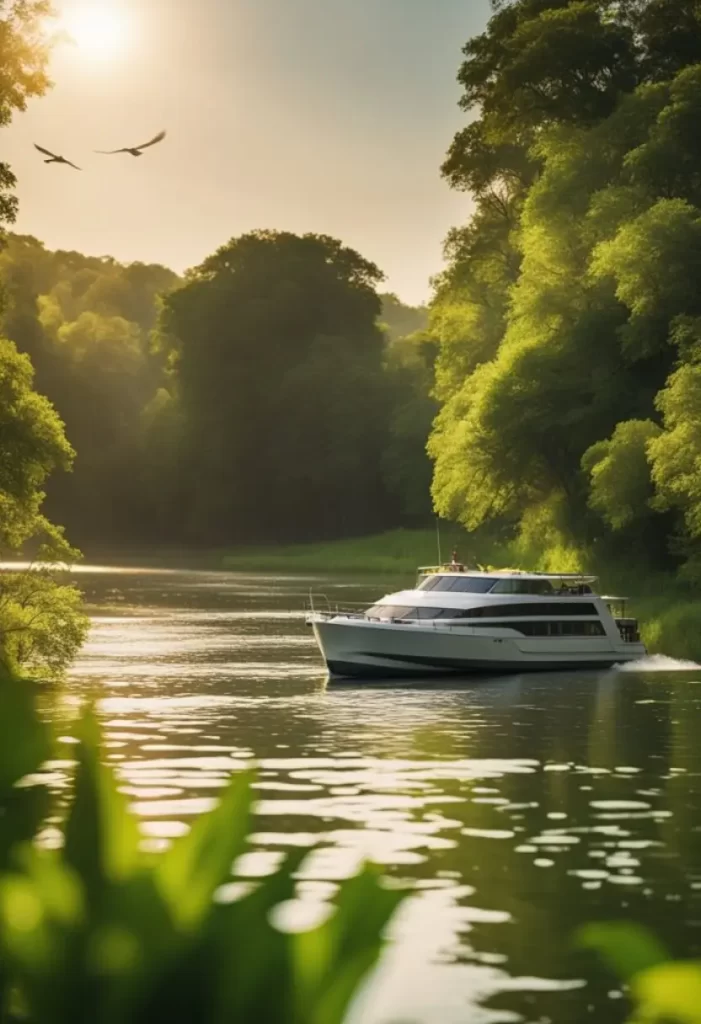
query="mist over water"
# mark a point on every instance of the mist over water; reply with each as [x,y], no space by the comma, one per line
[513,810]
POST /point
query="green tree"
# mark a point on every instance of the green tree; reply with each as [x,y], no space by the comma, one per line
[400,320]
[572,296]
[23,66]
[621,487]
[675,454]
[279,371]
[41,625]
[410,370]
[88,326]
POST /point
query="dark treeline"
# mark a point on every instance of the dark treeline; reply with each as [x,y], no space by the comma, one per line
[568,321]
[271,395]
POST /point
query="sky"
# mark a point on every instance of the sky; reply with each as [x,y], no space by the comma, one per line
[329,116]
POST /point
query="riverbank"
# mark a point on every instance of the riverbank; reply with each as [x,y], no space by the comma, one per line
[398,551]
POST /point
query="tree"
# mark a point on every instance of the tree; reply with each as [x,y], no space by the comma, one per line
[41,625]
[675,454]
[400,320]
[621,488]
[567,320]
[279,371]
[23,66]
[88,326]
[410,369]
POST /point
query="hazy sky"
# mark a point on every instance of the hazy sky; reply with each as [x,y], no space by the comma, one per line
[307,115]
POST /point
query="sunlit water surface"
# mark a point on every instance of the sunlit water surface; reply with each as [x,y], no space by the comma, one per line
[513,809]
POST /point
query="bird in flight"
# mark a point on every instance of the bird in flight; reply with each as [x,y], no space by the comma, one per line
[53,159]
[135,150]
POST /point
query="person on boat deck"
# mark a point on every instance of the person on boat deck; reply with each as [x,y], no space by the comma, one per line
[455,562]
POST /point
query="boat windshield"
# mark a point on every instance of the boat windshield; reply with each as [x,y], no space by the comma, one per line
[462,584]
[514,585]
[459,583]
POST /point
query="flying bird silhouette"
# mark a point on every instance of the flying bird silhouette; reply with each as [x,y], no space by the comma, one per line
[135,150]
[53,159]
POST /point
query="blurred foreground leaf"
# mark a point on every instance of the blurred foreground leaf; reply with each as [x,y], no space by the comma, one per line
[24,741]
[669,993]
[626,948]
[101,932]
[664,991]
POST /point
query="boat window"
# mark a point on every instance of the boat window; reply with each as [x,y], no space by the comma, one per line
[491,611]
[428,582]
[458,584]
[552,629]
[542,609]
[518,586]
[575,590]
[393,611]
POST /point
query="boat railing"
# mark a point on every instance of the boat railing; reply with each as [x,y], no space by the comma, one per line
[438,625]
[328,609]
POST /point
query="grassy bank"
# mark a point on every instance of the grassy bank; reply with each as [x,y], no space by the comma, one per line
[399,551]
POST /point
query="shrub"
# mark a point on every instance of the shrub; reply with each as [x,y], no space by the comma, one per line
[102,932]
[664,991]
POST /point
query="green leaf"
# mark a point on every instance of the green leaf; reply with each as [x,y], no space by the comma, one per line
[332,960]
[41,913]
[102,837]
[196,865]
[669,994]
[626,948]
[23,810]
[255,963]
[24,739]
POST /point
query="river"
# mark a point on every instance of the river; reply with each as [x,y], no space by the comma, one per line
[514,809]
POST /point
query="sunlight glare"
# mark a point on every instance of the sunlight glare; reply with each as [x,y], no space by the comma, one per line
[101,32]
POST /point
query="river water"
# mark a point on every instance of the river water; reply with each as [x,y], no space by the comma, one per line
[513,809]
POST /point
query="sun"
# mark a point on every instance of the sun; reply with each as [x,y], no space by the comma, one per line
[100,31]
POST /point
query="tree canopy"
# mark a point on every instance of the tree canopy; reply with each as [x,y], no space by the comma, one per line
[280,376]
[567,320]
[23,74]
[272,393]
[88,325]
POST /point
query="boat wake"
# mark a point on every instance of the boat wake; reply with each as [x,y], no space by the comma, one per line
[659,663]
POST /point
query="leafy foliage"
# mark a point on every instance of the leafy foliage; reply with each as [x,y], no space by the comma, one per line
[87,325]
[23,74]
[281,409]
[102,931]
[287,405]
[621,488]
[41,624]
[33,446]
[567,321]
[664,991]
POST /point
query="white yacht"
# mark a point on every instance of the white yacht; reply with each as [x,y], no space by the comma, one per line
[459,622]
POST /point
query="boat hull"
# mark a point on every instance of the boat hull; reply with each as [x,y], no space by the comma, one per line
[354,648]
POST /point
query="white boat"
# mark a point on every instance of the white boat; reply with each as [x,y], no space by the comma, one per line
[461,622]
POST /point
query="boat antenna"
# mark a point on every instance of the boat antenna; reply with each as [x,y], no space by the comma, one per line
[438,539]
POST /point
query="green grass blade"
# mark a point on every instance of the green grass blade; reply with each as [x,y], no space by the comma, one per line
[195,866]
[626,948]
[102,837]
